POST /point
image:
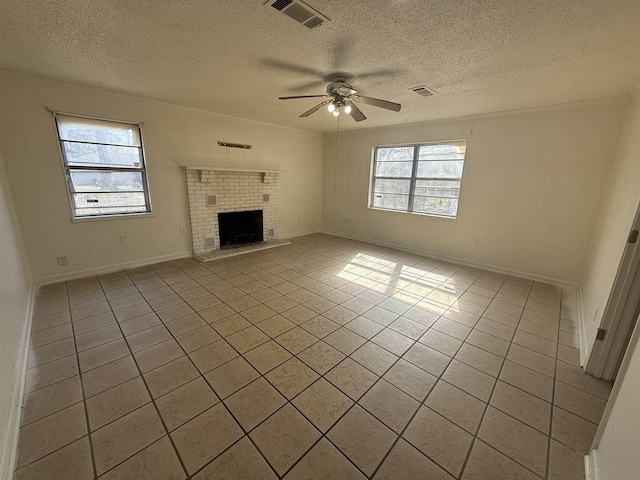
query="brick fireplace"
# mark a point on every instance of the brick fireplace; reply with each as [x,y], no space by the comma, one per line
[212,191]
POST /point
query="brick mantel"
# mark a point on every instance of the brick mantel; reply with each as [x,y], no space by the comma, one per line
[234,190]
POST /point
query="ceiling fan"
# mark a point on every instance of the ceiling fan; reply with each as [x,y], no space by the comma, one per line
[341,96]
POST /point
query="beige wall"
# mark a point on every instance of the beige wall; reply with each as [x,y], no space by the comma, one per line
[173,136]
[531,189]
[616,218]
[15,298]
[617,449]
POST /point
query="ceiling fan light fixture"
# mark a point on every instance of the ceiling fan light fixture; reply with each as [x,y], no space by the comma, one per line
[331,107]
[347,109]
[336,113]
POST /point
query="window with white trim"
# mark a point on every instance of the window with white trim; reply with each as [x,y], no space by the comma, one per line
[421,178]
[104,165]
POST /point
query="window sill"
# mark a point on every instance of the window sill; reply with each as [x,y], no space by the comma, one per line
[123,216]
[434,215]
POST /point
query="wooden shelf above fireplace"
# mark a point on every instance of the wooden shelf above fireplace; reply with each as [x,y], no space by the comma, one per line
[229,169]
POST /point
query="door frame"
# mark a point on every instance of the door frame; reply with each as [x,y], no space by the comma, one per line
[606,354]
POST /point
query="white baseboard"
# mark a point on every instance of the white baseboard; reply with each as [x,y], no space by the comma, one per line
[109,268]
[10,440]
[582,331]
[591,470]
[460,261]
[299,234]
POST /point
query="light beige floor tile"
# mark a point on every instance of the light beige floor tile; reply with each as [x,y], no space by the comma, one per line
[296,340]
[389,405]
[441,342]
[98,356]
[321,357]
[116,402]
[439,439]
[231,376]
[90,311]
[182,404]
[213,355]
[291,377]
[148,338]
[72,462]
[461,316]
[299,314]
[485,462]
[565,463]
[393,341]
[284,438]
[452,403]
[379,314]
[576,377]
[527,380]
[451,328]
[267,356]
[530,359]
[374,357]
[515,439]
[527,408]
[50,321]
[535,343]
[255,402]
[364,327]
[138,324]
[51,335]
[572,430]
[126,436]
[320,326]
[579,402]
[185,324]
[170,376]
[246,339]
[205,437]
[470,380]
[156,462]
[407,463]
[241,461]
[51,399]
[50,352]
[243,303]
[410,379]
[109,375]
[323,404]
[158,355]
[362,438]
[98,337]
[93,323]
[258,313]
[480,359]
[218,313]
[352,378]
[44,436]
[174,312]
[345,341]
[231,324]
[488,342]
[427,359]
[50,373]
[569,355]
[275,325]
[324,462]
[132,311]
[281,304]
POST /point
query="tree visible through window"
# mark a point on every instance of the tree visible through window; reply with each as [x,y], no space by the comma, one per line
[104,164]
[422,178]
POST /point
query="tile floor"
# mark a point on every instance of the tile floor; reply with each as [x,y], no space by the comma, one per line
[324,359]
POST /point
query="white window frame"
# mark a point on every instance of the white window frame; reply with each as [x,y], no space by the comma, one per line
[142,169]
[414,177]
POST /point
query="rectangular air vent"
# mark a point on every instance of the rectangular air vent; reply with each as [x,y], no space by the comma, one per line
[423,91]
[299,11]
[265,197]
[211,200]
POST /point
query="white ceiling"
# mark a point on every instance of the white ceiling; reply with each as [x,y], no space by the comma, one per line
[237,57]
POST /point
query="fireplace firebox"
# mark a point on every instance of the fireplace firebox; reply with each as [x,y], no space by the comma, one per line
[237,228]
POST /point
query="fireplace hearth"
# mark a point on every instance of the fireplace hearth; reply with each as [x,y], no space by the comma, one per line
[240,228]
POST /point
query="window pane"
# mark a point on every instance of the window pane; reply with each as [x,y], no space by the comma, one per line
[97,131]
[443,151]
[393,169]
[98,203]
[395,154]
[101,181]
[437,206]
[86,212]
[88,154]
[383,185]
[440,169]
[438,188]
[391,201]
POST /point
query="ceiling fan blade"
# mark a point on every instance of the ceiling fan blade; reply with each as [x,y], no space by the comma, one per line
[356,113]
[315,109]
[302,96]
[376,102]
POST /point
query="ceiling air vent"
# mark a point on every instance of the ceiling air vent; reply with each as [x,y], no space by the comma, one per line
[299,11]
[423,91]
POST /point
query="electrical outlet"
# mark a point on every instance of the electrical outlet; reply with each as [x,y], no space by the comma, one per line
[475,242]
[123,238]
[63,261]
[183,230]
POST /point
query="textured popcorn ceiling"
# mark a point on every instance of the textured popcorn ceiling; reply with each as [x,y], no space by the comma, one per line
[236,57]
